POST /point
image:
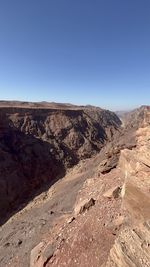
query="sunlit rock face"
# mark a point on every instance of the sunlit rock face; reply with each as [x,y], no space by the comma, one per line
[137,118]
[132,247]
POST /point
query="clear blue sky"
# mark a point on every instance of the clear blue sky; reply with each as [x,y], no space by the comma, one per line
[79,51]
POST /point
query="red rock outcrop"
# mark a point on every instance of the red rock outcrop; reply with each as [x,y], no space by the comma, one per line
[132,247]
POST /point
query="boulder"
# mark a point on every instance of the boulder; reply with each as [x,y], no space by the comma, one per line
[113,192]
[41,254]
[84,206]
[35,257]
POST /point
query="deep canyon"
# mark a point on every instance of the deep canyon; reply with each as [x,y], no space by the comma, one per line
[71,183]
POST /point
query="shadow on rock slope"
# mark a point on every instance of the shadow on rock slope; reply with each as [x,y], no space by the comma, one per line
[37,146]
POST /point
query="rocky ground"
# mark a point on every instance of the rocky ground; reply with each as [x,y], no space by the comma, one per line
[27,227]
[49,213]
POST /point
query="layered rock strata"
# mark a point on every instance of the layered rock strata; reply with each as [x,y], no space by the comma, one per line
[132,247]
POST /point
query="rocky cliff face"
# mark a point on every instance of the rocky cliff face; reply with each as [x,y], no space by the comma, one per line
[37,145]
[132,247]
[137,118]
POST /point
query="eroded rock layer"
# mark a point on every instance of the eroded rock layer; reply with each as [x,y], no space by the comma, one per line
[132,247]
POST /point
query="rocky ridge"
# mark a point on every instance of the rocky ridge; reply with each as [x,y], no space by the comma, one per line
[132,247]
[136,118]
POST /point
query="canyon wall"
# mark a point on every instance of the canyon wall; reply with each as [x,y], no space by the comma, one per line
[37,145]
